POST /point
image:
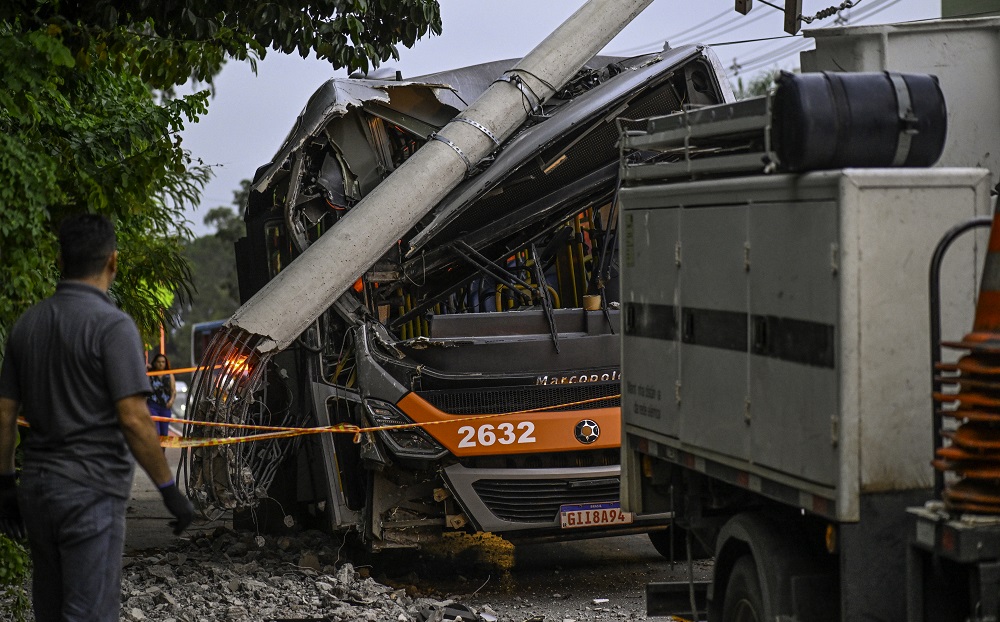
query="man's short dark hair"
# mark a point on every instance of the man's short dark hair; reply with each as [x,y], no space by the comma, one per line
[85,243]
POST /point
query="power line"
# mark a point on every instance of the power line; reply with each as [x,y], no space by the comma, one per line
[871,8]
[831,11]
[699,31]
[774,38]
[773,6]
[772,59]
[776,55]
[868,7]
[800,46]
[719,30]
[739,21]
[772,54]
[703,24]
[646,46]
[722,30]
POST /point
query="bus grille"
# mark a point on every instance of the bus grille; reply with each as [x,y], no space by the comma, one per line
[582,459]
[538,500]
[498,400]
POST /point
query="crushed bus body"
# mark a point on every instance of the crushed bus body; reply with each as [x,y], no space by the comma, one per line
[492,324]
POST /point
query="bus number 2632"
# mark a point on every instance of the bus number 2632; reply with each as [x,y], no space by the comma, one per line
[488,434]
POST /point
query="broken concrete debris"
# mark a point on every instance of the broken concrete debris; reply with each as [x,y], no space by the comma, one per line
[237,577]
[200,580]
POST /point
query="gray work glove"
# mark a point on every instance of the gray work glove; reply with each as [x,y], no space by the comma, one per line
[178,505]
[11,523]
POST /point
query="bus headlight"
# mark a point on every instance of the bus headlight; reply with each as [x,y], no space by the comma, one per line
[406,442]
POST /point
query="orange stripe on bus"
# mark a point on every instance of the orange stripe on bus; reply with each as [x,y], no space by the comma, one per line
[548,431]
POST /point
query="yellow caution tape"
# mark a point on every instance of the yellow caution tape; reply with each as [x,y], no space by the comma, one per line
[183,370]
[276,432]
[242,426]
[186,442]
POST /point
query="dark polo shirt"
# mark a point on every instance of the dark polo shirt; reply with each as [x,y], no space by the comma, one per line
[68,360]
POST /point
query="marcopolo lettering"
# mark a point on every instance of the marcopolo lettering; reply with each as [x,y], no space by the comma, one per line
[579,378]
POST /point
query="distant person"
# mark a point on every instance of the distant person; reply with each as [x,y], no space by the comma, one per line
[161,400]
[74,369]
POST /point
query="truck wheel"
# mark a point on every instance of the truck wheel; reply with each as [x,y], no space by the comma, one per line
[743,601]
[661,542]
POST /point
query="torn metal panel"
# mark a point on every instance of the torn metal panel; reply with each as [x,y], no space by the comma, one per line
[468,83]
[420,105]
[337,96]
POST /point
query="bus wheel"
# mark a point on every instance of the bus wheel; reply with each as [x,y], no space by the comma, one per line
[743,601]
[662,540]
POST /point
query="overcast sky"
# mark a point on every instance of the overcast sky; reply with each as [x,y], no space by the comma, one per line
[250,115]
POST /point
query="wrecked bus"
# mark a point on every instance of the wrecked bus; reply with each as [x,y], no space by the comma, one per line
[492,324]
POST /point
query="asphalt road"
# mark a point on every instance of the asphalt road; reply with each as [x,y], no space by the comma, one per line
[146,518]
[599,579]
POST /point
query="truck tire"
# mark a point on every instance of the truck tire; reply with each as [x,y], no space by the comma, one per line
[743,602]
[662,539]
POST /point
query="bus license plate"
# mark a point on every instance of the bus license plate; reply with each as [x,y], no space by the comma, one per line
[593,515]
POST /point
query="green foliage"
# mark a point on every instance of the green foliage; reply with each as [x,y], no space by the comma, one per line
[165,43]
[76,139]
[227,223]
[15,565]
[213,264]
[81,130]
[759,85]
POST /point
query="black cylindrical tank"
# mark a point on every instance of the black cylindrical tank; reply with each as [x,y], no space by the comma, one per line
[839,120]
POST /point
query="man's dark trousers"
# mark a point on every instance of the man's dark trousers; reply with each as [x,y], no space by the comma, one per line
[77,536]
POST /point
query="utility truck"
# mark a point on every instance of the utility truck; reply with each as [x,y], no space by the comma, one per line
[781,345]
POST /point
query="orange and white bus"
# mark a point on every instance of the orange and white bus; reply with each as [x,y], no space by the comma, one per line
[481,352]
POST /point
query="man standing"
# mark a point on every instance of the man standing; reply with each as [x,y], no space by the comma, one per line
[74,369]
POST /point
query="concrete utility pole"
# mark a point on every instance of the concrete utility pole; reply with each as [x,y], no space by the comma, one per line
[300,293]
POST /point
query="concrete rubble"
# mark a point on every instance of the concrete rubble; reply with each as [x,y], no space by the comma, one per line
[225,575]
[220,574]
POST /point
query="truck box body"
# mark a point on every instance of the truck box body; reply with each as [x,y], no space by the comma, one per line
[775,328]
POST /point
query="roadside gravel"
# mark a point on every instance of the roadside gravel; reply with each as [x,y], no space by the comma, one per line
[221,574]
[224,575]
